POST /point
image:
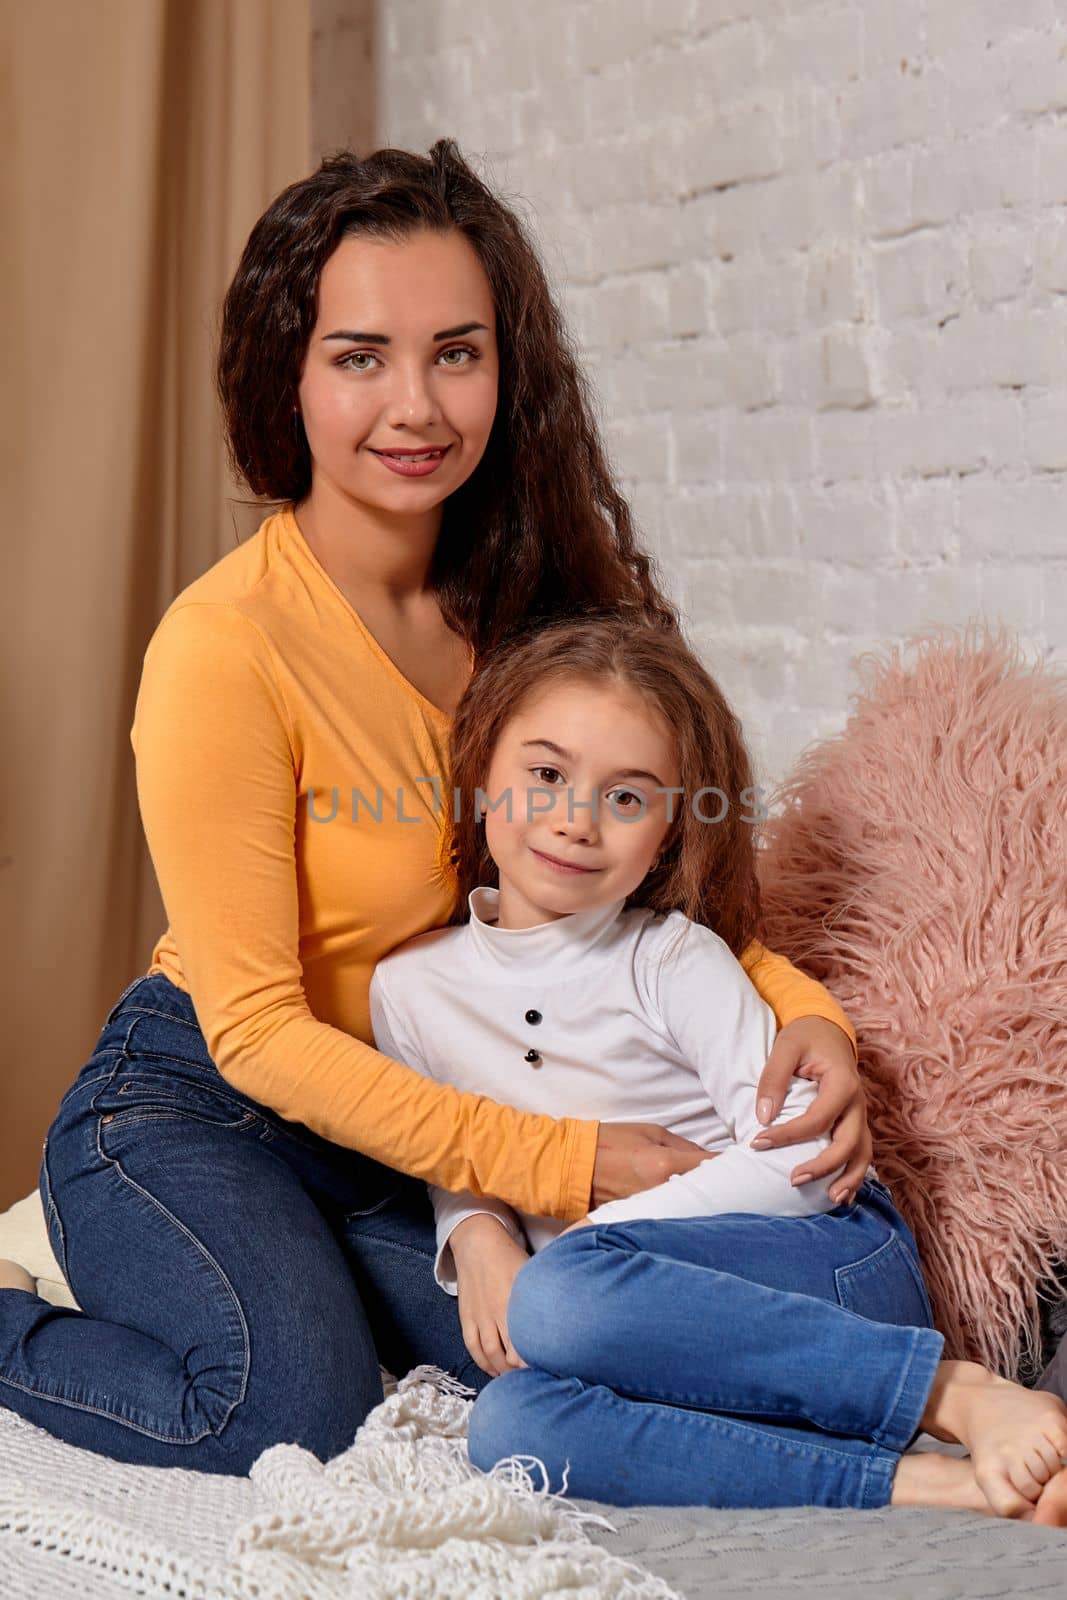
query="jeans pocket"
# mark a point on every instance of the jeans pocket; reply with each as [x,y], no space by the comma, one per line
[879,1187]
[136,1093]
[372,1207]
[384,1190]
[885,1286]
[157,1036]
[53,1222]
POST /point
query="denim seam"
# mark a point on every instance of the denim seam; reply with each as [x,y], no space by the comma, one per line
[276,1127]
[876,1484]
[130,987]
[395,1244]
[279,1126]
[916,1272]
[101,1411]
[154,1011]
[204,1063]
[52,1210]
[881,1434]
[784,1446]
[136,1052]
[207,1255]
[890,1426]
[125,1058]
[281,1129]
[105,1078]
[842,1273]
[689,1401]
[129,1116]
[84,1083]
[355,1216]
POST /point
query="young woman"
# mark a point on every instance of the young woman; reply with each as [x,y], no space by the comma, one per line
[724,1338]
[223,1180]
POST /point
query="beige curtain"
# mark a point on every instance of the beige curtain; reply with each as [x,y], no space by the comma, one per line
[140,140]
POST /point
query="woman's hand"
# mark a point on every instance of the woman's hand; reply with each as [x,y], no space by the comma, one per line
[813,1047]
[631,1156]
[487,1259]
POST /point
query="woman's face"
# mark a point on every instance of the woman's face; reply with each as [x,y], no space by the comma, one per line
[585,767]
[403,356]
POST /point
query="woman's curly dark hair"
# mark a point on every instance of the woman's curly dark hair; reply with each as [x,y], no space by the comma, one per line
[539,530]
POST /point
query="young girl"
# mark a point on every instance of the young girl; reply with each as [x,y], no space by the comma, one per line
[653,1354]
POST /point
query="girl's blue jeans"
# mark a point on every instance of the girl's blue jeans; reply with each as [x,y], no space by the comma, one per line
[239,1276]
[721,1361]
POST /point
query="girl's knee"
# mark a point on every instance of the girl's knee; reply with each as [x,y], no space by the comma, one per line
[508,1418]
[537,1417]
[547,1309]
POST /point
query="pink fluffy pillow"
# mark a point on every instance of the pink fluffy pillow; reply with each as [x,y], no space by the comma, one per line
[919,869]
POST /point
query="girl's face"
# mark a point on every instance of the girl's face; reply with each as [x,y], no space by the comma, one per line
[615,754]
[403,356]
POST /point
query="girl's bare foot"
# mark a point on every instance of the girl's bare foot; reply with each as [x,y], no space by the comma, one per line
[1017,1437]
[1051,1509]
[929,1479]
[12,1276]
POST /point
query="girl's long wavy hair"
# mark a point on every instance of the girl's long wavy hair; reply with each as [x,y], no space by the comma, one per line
[707,869]
[539,530]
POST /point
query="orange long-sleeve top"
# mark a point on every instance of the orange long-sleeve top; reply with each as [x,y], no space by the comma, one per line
[263,690]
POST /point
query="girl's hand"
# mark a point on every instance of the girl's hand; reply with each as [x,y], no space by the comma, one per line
[487,1259]
[813,1047]
[632,1156]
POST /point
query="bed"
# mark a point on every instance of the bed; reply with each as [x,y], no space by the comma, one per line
[73,1523]
[400,1512]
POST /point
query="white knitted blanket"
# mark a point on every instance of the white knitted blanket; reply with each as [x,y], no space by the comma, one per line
[400,1515]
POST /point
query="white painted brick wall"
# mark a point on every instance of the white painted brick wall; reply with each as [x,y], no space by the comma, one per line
[814,253]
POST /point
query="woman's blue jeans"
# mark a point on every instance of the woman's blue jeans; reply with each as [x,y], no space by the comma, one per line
[239,1277]
[721,1361]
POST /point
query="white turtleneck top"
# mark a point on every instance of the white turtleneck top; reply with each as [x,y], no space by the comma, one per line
[634,1017]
